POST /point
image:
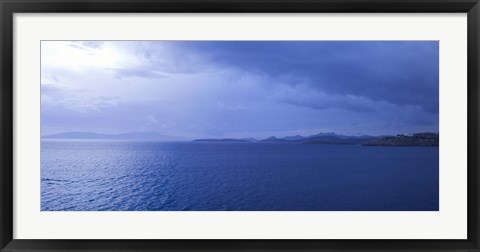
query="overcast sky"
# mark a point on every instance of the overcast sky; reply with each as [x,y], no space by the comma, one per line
[220,89]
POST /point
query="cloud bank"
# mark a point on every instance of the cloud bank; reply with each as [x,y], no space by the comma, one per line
[240,88]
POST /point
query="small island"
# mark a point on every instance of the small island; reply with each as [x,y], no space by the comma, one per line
[418,139]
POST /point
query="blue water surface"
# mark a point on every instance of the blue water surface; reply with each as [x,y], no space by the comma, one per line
[154,176]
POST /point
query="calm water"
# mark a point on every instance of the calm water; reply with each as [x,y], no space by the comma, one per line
[111,175]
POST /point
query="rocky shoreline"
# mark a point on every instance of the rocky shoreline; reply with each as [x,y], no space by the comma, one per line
[418,139]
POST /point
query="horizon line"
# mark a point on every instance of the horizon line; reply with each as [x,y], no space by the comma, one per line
[183,138]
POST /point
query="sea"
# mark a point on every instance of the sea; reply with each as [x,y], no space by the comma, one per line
[101,175]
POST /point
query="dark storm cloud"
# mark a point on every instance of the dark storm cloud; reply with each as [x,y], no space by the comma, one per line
[401,73]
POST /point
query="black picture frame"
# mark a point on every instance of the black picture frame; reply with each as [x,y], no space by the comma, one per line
[9,7]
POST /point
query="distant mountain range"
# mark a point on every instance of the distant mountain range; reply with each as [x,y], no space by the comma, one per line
[321,138]
[418,139]
[145,136]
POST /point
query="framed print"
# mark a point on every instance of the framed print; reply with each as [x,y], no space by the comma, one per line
[239,125]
